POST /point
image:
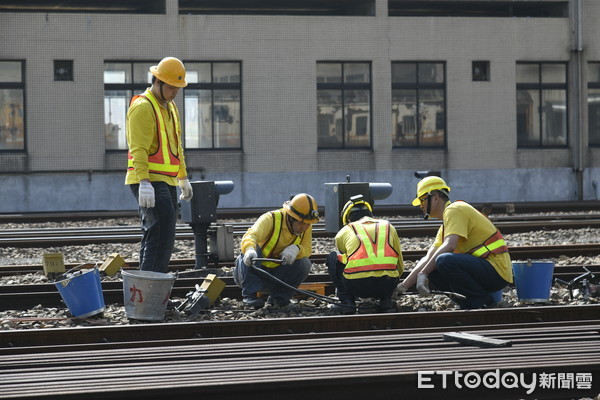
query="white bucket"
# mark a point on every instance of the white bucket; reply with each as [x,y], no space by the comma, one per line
[146,294]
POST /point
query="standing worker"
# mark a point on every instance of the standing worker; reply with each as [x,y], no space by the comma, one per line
[368,262]
[284,234]
[155,165]
[469,255]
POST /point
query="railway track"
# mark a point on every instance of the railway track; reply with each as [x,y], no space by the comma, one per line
[253,212]
[45,237]
[517,253]
[23,297]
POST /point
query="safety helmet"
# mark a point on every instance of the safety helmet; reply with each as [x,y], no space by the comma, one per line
[303,208]
[171,71]
[356,203]
[428,185]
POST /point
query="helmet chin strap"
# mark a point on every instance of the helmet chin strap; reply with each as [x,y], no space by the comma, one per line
[427,214]
[161,91]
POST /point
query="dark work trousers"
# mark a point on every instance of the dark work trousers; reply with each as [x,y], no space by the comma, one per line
[468,275]
[350,289]
[158,226]
[251,282]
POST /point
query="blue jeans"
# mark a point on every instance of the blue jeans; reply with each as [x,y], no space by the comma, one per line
[158,226]
[250,282]
[468,275]
[349,289]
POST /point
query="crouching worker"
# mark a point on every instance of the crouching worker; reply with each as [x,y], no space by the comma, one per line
[368,262]
[469,255]
[284,234]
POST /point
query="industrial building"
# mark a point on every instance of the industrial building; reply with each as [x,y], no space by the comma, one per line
[502,98]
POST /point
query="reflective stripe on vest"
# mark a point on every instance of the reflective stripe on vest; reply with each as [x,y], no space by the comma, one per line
[494,244]
[368,258]
[274,238]
[163,162]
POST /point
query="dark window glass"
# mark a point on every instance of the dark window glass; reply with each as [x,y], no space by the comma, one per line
[418,104]
[211,114]
[343,105]
[542,104]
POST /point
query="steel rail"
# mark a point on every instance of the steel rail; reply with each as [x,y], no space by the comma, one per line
[23,297]
[130,234]
[516,252]
[314,368]
[253,212]
[301,325]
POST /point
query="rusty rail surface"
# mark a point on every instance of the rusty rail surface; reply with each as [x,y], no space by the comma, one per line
[376,366]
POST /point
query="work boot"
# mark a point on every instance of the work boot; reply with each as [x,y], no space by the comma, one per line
[386,305]
[346,307]
[253,301]
[277,302]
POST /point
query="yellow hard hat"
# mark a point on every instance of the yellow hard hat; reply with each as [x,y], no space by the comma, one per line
[171,71]
[356,203]
[427,185]
[303,208]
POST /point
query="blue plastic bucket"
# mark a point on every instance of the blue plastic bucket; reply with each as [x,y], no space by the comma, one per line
[82,293]
[146,294]
[533,281]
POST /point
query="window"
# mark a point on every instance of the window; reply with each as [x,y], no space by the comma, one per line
[63,70]
[343,105]
[594,103]
[278,7]
[12,105]
[481,71]
[478,9]
[210,118]
[541,104]
[419,104]
[121,81]
[213,105]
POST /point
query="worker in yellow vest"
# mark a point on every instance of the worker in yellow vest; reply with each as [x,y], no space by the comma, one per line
[368,262]
[284,234]
[469,255]
[156,165]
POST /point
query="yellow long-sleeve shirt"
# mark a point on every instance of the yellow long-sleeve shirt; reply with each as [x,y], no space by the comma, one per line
[257,235]
[142,139]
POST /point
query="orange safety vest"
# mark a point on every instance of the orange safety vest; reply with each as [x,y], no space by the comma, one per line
[267,249]
[163,162]
[371,255]
[494,244]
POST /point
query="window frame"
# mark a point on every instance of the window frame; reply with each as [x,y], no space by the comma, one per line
[21,86]
[343,86]
[212,86]
[422,86]
[133,87]
[540,87]
[592,85]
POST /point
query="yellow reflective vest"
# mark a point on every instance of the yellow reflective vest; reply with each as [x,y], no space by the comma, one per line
[164,161]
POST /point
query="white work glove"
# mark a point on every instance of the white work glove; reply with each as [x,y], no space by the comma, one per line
[146,194]
[423,284]
[249,255]
[400,289]
[186,190]
[288,255]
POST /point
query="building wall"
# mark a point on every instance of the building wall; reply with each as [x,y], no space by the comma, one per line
[65,134]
